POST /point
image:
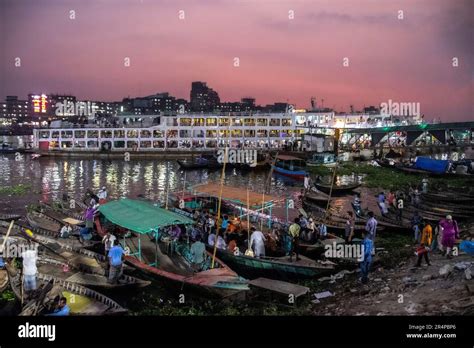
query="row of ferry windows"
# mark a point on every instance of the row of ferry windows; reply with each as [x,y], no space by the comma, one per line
[235,122]
[160,134]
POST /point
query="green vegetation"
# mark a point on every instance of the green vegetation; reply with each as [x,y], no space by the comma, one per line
[16,190]
[386,178]
[6,296]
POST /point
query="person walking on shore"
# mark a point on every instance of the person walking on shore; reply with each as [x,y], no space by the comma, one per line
[450,233]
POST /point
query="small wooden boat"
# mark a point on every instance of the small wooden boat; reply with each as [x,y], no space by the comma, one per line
[9,217]
[81,300]
[457,198]
[150,255]
[279,268]
[337,189]
[291,166]
[61,270]
[317,197]
[60,216]
[387,222]
[3,279]
[199,163]
[40,220]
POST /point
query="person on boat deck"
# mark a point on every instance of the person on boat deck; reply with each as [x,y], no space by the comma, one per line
[89,216]
[307,182]
[323,231]
[195,232]
[211,239]
[424,185]
[357,203]
[425,242]
[257,242]
[225,223]
[102,195]
[349,227]
[66,231]
[221,243]
[371,229]
[310,230]
[175,232]
[116,256]
[381,203]
[61,310]
[30,258]
[108,241]
[232,245]
[416,197]
[416,222]
[368,246]
[450,233]
[303,223]
[294,232]
[198,252]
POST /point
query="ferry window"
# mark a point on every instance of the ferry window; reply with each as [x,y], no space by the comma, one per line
[261,133]
[275,122]
[223,133]
[185,122]
[119,134]
[158,134]
[119,144]
[92,134]
[250,133]
[211,133]
[249,122]
[66,134]
[286,122]
[106,134]
[92,143]
[172,134]
[145,133]
[66,144]
[198,134]
[145,144]
[44,134]
[80,144]
[261,121]
[274,133]
[132,133]
[236,121]
[237,133]
[224,121]
[159,144]
[80,134]
[199,122]
[211,121]
[132,144]
[184,134]
[211,143]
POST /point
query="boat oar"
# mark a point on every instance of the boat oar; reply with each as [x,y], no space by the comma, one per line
[219,208]
[7,235]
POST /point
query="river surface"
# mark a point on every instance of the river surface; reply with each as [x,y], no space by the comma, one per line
[50,177]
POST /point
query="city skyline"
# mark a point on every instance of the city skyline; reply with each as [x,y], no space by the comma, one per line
[280,59]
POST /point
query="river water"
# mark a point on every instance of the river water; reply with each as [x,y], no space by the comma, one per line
[50,177]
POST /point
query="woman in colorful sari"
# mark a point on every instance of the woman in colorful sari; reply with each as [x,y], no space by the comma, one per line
[450,233]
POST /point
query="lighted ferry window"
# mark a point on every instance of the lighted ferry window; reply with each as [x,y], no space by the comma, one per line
[80,144]
[249,122]
[119,133]
[79,134]
[223,121]
[198,122]
[66,134]
[185,122]
[274,133]
[145,133]
[44,134]
[250,133]
[286,122]
[211,133]
[132,133]
[55,134]
[172,134]
[237,133]
[261,133]
[236,121]
[211,143]
[106,134]
[66,144]
[275,122]
[262,122]
[157,134]
[92,134]
[211,121]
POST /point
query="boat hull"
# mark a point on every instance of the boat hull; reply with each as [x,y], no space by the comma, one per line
[295,174]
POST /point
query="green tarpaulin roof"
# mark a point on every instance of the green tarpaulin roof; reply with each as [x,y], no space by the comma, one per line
[140,216]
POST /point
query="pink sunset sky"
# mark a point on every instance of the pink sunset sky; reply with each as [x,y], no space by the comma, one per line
[281,59]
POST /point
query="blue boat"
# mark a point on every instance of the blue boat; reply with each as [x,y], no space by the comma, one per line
[290,166]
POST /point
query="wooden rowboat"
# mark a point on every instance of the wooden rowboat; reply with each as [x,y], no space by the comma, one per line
[40,220]
[81,300]
[337,189]
[279,268]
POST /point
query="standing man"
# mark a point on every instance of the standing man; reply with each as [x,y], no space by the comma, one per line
[116,256]
[349,227]
[102,195]
[424,185]
[108,241]
[368,246]
[424,248]
[257,242]
[198,252]
[381,203]
[294,232]
[307,183]
[371,229]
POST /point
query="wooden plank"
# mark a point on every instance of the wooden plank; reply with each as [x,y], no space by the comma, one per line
[233,193]
[280,287]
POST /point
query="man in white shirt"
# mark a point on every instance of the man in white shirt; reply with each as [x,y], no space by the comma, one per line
[66,231]
[257,242]
[108,242]
[102,195]
[30,257]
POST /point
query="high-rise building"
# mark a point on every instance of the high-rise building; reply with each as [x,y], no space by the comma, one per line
[203,98]
[14,110]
